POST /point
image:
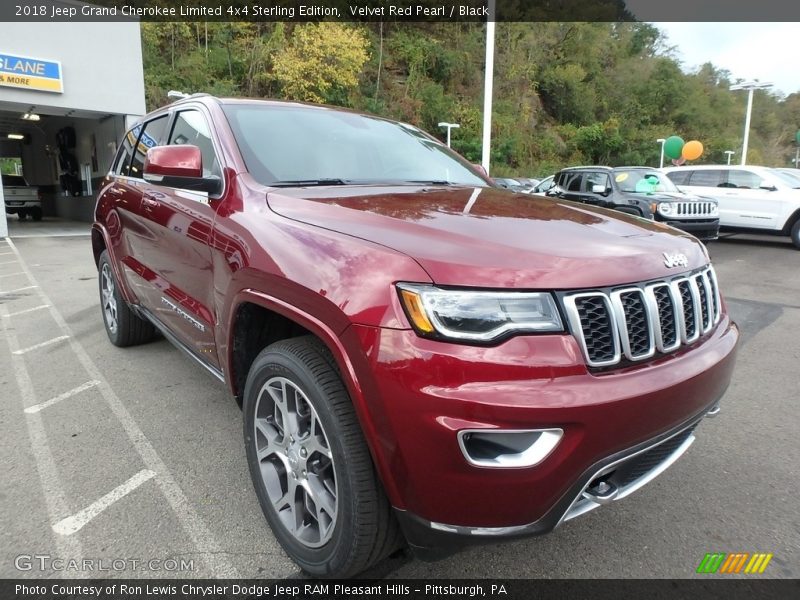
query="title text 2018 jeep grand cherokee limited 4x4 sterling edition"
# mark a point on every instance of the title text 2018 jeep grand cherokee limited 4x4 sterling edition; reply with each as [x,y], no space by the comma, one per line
[421,357]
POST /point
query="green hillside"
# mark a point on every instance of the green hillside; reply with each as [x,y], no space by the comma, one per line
[565,93]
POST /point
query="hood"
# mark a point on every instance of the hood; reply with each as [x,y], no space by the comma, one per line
[487,237]
[670,196]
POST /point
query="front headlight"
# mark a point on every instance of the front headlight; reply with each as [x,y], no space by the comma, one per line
[666,208]
[477,316]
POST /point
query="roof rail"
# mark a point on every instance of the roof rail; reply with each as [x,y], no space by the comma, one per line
[178,96]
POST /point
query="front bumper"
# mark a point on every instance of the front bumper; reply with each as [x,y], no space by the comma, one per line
[705,230]
[626,471]
[421,393]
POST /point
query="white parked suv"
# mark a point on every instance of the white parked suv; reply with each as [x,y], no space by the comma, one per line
[751,199]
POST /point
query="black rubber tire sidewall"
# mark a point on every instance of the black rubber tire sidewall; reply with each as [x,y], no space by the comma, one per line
[334,555]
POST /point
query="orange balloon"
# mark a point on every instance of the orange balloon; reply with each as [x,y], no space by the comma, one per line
[692,150]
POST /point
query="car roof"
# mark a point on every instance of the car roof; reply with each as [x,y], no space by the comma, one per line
[715,167]
[588,168]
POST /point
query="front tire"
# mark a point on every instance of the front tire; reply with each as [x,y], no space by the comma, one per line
[123,326]
[310,466]
[795,234]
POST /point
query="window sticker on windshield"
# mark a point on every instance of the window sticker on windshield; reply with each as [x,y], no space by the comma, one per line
[621,177]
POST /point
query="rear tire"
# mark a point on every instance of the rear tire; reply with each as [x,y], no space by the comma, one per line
[795,234]
[22,215]
[36,214]
[310,466]
[123,326]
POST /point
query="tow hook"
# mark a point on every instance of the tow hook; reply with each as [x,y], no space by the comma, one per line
[602,492]
[713,411]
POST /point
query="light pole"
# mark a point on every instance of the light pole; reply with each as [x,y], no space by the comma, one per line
[449,127]
[729,153]
[488,86]
[749,86]
[661,162]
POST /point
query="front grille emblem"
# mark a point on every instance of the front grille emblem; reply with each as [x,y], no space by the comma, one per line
[675,260]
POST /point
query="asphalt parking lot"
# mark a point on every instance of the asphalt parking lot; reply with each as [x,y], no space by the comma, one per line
[136,454]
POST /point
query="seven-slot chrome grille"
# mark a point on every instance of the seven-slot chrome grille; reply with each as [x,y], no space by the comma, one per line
[637,321]
[696,209]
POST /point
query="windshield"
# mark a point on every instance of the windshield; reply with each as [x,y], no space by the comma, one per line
[788,178]
[307,146]
[643,182]
[14,181]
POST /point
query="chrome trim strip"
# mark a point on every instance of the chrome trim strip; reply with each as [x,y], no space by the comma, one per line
[650,294]
[532,456]
[573,316]
[717,298]
[578,508]
[622,323]
[178,343]
[698,311]
[709,323]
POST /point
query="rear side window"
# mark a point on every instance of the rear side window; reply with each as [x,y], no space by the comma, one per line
[593,179]
[151,136]
[679,177]
[570,182]
[706,178]
[744,179]
[191,128]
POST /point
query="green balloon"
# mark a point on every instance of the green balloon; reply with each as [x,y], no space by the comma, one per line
[673,146]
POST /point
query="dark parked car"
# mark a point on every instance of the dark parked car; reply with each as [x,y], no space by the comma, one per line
[421,357]
[639,191]
[544,185]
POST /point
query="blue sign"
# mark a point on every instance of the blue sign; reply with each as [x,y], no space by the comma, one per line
[31,73]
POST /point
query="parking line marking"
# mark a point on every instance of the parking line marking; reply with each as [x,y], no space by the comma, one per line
[22,289]
[9,262]
[27,310]
[52,490]
[190,520]
[81,388]
[42,345]
[75,523]
[12,274]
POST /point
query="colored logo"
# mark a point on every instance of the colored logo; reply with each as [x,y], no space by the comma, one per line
[30,73]
[735,563]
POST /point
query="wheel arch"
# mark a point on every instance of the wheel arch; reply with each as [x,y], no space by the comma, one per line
[793,218]
[297,322]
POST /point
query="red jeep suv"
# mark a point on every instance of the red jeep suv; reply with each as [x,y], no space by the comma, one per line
[421,357]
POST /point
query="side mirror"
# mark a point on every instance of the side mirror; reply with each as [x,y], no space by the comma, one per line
[769,188]
[179,167]
[598,188]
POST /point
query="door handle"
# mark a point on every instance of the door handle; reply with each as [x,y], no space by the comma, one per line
[148,202]
[116,191]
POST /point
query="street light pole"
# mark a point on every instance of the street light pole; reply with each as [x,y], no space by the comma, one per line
[750,86]
[661,162]
[729,153]
[488,83]
[449,127]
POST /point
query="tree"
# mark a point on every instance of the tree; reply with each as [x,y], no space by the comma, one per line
[321,62]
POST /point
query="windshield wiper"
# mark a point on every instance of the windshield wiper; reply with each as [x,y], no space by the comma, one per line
[308,182]
[431,182]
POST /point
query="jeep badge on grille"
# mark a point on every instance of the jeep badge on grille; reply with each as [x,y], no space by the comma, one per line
[675,260]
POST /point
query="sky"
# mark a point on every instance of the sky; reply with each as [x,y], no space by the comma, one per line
[768,52]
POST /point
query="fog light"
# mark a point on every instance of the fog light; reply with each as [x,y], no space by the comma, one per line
[505,448]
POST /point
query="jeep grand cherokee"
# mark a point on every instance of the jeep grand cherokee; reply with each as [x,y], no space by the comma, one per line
[421,357]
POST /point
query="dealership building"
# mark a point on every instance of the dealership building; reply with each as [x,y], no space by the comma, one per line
[67,92]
